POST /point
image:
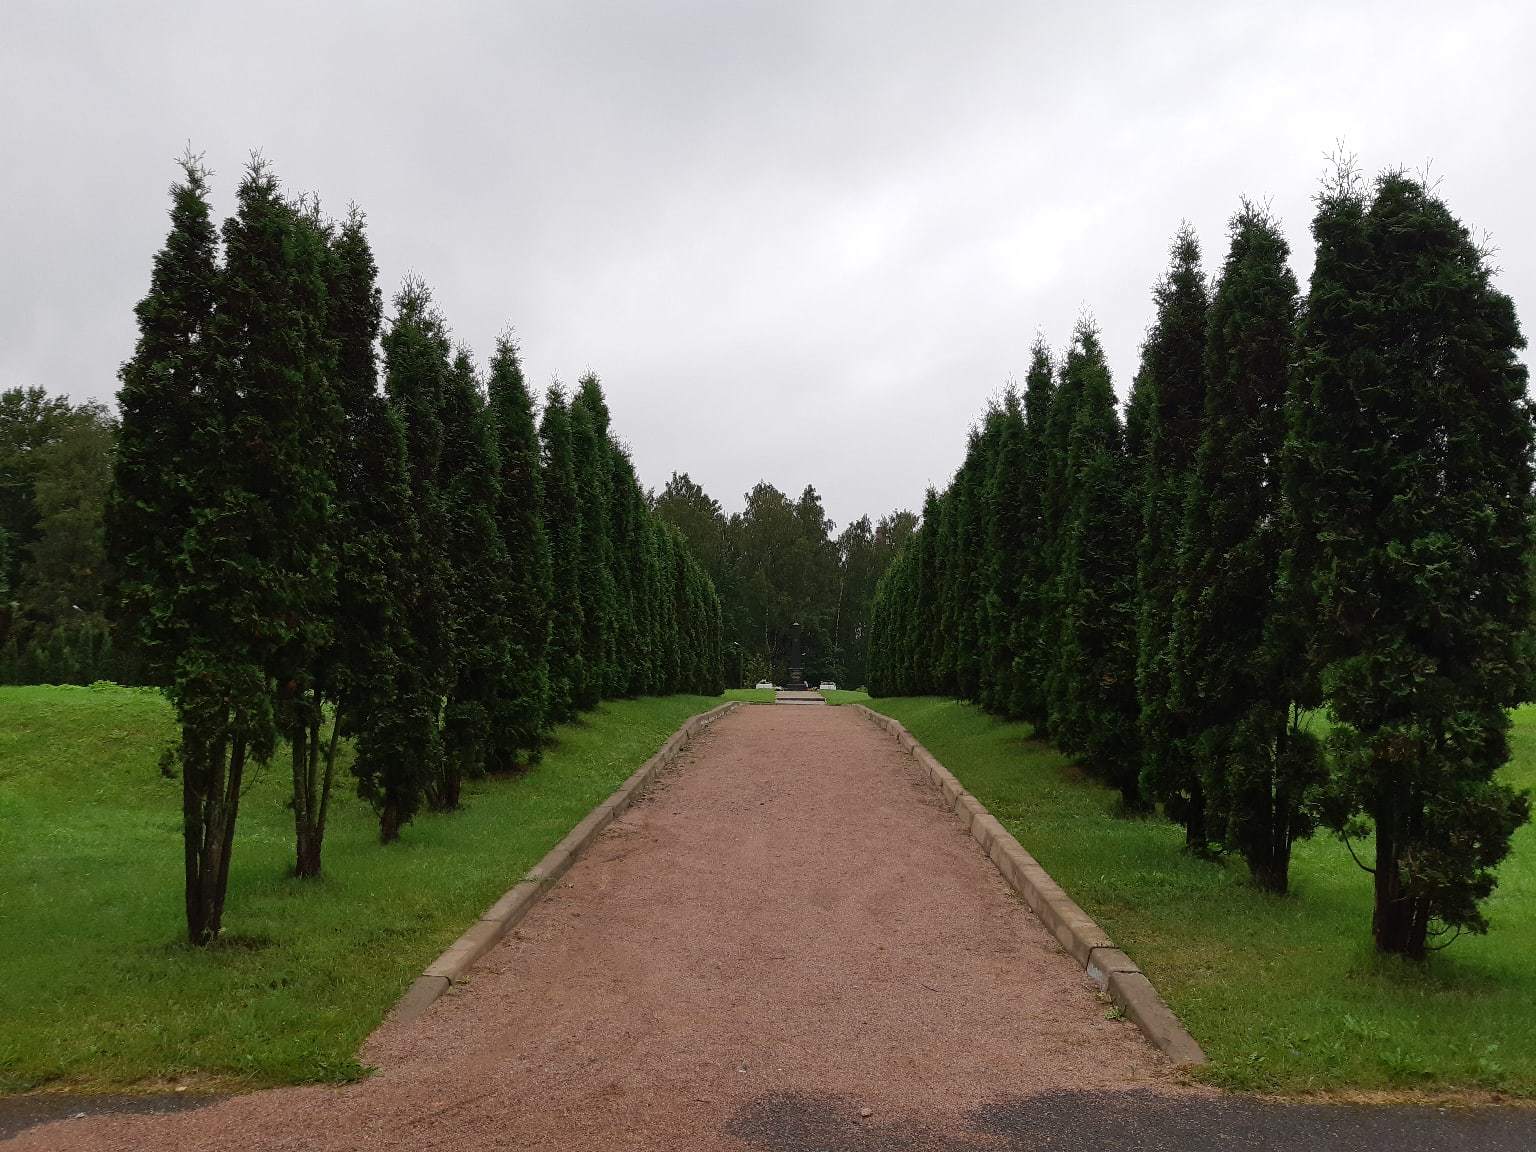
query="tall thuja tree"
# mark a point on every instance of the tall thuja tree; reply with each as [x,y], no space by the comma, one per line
[641,560]
[277,365]
[925,633]
[624,547]
[969,544]
[1008,547]
[668,625]
[275,333]
[589,447]
[416,368]
[1166,407]
[1234,667]
[1055,514]
[479,583]
[1097,595]
[370,678]
[562,521]
[167,481]
[1031,655]
[522,695]
[1411,475]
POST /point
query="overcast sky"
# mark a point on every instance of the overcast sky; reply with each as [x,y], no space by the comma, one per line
[798,241]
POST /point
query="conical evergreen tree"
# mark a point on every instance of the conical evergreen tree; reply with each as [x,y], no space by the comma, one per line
[522,698]
[1410,454]
[274,326]
[1055,514]
[562,520]
[1008,548]
[1165,412]
[1097,598]
[478,596]
[624,511]
[589,469]
[375,533]
[416,369]
[599,592]
[276,366]
[168,466]
[1232,674]
[1032,657]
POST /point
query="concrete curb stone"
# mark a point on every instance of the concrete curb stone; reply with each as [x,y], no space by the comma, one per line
[1078,933]
[456,960]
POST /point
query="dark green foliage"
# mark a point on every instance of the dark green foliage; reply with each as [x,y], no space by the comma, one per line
[1233,667]
[589,451]
[416,368]
[1055,513]
[166,496]
[1164,418]
[562,521]
[1098,715]
[375,533]
[1007,497]
[478,585]
[522,698]
[274,336]
[1032,656]
[1410,476]
[56,478]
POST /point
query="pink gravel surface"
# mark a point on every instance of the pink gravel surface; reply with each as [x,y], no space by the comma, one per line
[789,923]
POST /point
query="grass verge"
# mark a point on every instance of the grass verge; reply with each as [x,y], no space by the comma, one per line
[1285,994]
[750,695]
[101,993]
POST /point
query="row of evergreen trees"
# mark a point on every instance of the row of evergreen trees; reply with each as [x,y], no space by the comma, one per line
[428,568]
[1312,508]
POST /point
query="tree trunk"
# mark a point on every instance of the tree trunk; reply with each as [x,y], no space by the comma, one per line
[194,815]
[1399,922]
[231,811]
[304,855]
[1196,841]
[389,822]
[312,776]
[1271,871]
[444,794]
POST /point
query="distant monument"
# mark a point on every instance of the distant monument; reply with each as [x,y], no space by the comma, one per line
[796,682]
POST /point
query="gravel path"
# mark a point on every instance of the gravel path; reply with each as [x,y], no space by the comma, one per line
[788,931]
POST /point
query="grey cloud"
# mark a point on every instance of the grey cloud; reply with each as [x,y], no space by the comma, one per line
[801,242]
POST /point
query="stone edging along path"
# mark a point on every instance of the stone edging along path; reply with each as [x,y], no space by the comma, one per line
[1087,943]
[503,915]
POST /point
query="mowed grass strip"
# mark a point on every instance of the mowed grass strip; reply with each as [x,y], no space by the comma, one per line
[99,990]
[750,695]
[1284,993]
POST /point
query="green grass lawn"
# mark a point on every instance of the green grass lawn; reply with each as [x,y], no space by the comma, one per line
[100,991]
[843,696]
[1284,993]
[766,696]
[750,695]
